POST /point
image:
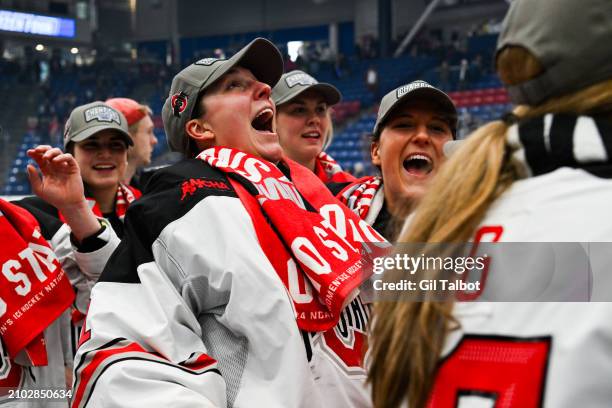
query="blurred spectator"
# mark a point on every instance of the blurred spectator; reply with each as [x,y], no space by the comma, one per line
[289,65]
[55,131]
[371,80]
[341,67]
[140,127]
[476,69]
[368,47]
[444,75]
[463,74]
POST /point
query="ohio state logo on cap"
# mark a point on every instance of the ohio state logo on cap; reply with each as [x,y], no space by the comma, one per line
[178,103]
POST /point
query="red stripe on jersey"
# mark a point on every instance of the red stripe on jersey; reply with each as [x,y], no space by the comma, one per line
[97,360]
[201,362]
[86,374]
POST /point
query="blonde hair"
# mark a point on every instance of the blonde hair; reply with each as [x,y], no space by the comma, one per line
[408,337]
[330,133]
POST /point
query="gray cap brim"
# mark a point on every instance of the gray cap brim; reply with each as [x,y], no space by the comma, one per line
[330,93]
[423,93]
[89,132]
[260,56]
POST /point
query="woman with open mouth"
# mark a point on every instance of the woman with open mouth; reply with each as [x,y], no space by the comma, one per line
[414,122]
[540,175]
[304,125]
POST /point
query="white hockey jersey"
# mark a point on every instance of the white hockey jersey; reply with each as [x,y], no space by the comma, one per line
[190,312]
[540,354]
[45,386]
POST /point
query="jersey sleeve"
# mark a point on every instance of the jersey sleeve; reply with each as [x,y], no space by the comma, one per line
[92,263]
[142,343]
[75,262]
[141,347]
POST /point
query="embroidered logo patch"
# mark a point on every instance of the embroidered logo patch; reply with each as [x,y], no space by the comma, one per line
[102,114]
[411,87]
[300,79]
[207,61]
[178,103]
[189,187]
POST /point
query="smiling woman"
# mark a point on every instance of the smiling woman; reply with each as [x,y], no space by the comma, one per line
[304,123]
[408,149]
[96,136]
[102,160]
[413,124]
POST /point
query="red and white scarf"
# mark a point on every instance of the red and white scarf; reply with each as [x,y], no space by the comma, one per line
[34,290]
[360,195]
[314,243]
[329,171]
[125,195]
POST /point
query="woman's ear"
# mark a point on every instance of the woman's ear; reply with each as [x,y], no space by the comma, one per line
[374,153]
[200,131]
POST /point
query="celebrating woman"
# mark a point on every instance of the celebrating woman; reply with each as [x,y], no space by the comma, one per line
[413,124]
[541,175]
[96,136]
[304,124]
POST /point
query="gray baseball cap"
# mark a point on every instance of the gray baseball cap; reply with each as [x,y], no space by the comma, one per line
[572,39]
[260,56]
[295,82]
[87,120]
[415,90]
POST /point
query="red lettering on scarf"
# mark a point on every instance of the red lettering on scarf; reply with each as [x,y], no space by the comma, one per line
[303,246]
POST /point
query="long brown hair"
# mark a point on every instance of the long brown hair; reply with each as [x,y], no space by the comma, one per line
[407,337]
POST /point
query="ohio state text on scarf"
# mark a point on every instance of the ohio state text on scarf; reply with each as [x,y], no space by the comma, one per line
[35,291]
[315,244]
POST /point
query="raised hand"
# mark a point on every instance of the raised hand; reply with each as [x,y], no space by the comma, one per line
[61,186]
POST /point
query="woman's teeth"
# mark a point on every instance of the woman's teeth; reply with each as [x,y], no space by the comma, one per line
[418,164]
[312,135]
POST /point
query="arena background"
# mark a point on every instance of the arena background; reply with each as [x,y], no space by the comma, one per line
[58,54]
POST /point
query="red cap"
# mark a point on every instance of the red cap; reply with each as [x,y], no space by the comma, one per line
[132,110]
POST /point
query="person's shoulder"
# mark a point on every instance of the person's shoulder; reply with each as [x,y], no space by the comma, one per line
[174,190]
[45,214]
[38,205]
[186,170]
[171,193]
